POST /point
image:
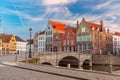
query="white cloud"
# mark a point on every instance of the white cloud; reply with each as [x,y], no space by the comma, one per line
[57,2]
[58,12]
[113,27]
[110,7]
[103,5]
[110,14]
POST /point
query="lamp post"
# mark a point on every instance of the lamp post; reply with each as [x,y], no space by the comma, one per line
[30,31]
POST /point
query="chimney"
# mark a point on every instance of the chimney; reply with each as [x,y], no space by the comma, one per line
[102,24]
[77,24]
[108,30]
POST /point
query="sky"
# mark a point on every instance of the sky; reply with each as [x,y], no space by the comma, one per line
[17,16]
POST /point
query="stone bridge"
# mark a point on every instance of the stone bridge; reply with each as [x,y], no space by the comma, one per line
[71,59]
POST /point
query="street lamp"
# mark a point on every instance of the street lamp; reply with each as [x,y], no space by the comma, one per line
[30,31]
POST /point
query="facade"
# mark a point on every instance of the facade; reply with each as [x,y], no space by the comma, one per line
[41,42]
[57,42]
[51,28]
[116,43]
[0,44]
[35,43]
[69,40]
[91,37]
[20,45]
[109,42]
[8,44]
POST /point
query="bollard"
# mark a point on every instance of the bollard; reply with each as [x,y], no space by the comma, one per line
[69,65]
[15,56]
[25,57]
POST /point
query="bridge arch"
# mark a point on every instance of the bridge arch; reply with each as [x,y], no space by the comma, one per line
[46,63]
[86,64]
[73,61]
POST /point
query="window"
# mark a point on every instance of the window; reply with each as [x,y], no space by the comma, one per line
[56,37]
[64,42]
[84,47]
[48,27]
[68,42]
[88,37]
[68,33]
[83,29]
[89,46]
[64,49]
[78,38]
[83,38]
[72,42]
[51,32]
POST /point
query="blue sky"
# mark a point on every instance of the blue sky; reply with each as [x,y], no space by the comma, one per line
[19,15]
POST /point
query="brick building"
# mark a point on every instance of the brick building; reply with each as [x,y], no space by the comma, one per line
[57,42]
[91,37]
[69,39]
[51,28]
[109,42]
[35,43]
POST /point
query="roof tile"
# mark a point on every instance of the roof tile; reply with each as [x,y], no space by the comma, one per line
[57,26]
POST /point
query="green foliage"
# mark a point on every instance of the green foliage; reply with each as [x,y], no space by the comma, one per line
[33,60]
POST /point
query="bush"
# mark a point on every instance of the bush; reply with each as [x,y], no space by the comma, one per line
[33,60]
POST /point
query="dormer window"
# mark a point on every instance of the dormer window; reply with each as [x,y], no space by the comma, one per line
[48,27]
[83,29]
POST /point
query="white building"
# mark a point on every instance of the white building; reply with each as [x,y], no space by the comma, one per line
[41,42]
[20,45]
[116,43]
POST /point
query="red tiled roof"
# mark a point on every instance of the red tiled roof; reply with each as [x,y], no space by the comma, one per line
[61,34]
[6,38]
[30,41]
[57,26]
[19,39]
[43,32]
[91,25]
[117,33]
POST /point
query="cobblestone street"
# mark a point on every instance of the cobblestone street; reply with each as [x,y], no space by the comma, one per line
[21,71]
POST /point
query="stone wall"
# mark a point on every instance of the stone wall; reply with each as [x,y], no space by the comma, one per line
[103,62]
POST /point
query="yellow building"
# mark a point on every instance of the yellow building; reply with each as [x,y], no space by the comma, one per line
[8,44]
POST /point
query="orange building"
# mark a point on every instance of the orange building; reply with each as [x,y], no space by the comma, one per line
[8,44]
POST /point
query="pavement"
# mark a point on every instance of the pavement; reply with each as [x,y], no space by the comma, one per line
[11,70]
[22,71]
